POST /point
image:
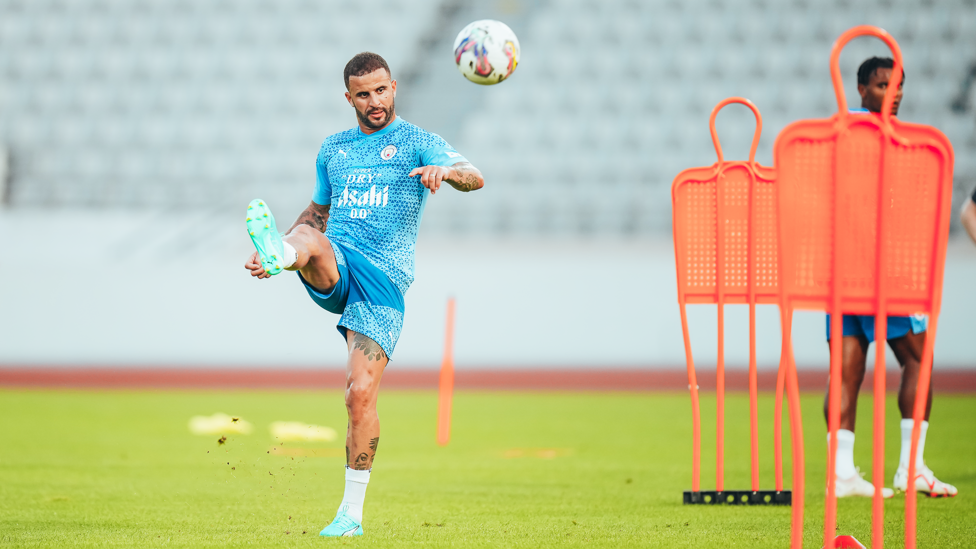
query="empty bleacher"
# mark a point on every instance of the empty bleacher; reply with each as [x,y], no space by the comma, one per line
[157,102]
[149,103]
[613,96]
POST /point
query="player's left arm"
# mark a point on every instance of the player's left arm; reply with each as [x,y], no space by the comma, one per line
[463,176]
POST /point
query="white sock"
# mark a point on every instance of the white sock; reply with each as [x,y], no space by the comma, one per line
[906,443]
[291,256]
[355,494]
[844,457]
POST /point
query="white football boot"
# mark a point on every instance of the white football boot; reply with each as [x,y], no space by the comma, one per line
[857,486]
[925,482]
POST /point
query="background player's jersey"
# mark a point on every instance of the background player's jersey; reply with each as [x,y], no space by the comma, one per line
[376,209]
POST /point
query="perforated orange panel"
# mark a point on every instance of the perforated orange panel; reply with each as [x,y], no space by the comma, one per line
[766,278]
[843,155]
[697,215]
[695,207]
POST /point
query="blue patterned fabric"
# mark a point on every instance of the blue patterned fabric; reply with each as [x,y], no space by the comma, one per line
[375,208]
[898,326]
[365,297]
[379,323]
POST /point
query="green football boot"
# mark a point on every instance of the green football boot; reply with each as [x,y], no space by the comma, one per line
[264,234]
[342,525]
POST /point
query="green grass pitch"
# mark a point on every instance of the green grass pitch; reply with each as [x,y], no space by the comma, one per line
[121,469]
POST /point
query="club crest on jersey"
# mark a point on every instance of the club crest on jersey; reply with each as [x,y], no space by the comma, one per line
[388,152]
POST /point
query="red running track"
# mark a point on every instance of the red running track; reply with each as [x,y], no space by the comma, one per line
[944,381]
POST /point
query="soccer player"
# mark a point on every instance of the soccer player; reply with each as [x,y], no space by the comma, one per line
[968,215]
[906,337]
[353,247]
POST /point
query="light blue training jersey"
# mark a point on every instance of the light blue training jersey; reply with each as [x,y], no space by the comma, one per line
[376,209]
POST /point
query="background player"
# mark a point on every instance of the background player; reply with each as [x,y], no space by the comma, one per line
[368,202]
[906,337]
[968,215]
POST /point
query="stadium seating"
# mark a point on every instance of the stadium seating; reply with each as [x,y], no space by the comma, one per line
[149,102]
[636,81]
[152,102]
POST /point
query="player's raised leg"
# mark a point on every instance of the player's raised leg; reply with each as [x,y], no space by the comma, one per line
[305,248]
[363,373]
[908,350]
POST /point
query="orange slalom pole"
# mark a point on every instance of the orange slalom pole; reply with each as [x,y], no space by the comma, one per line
[833,420]
[796,439]
[753,375]
[446,390]
[877,468]
[918,414]
[880,338]
[695,408]
[720,359]
[789,379]
[836,369]
[785,357]
[753,399]
[778,421]
[720,402]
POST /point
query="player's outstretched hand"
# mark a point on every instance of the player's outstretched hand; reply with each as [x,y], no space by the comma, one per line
[431,176]
[254,265]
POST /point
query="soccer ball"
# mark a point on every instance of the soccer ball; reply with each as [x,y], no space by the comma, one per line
[486,52]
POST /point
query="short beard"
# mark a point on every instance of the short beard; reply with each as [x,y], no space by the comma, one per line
[365,121]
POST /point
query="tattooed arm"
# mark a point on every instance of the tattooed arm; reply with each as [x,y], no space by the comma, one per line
[465,177]
[315,216]
[462,176]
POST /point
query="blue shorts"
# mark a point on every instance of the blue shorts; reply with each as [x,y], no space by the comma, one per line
[898,326]
[369,302]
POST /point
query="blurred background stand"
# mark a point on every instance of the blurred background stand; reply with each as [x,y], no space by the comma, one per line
[137,132]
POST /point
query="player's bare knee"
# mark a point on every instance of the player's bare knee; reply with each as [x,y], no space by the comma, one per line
[301,235]
[854,375]
[910,368]
[307,242]
[853,370]
[359,401]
